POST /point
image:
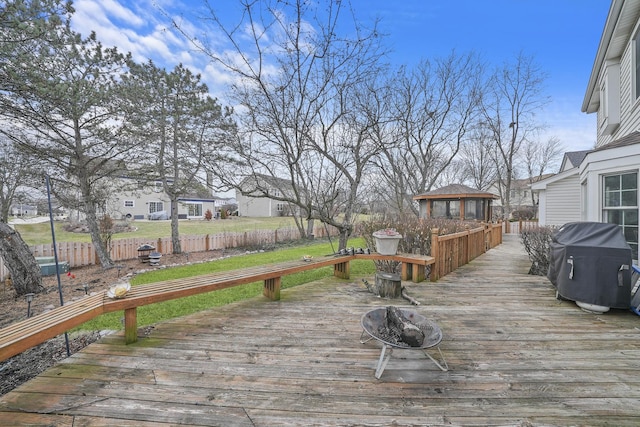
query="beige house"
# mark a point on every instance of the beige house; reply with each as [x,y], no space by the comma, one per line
[252,201]
[132,199]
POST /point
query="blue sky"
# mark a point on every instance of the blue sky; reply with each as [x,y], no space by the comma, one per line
[562,36]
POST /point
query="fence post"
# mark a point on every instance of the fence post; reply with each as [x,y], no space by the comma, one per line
[435,267]
[159,245]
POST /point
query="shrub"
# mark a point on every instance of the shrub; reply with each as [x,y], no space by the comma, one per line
[525,214]
[416,234]
[208,215]
[537,242]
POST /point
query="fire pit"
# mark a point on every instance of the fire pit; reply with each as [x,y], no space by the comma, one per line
[374,324]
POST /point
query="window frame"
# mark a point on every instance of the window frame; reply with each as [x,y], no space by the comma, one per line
[620,213]
[190,205]
[155,205]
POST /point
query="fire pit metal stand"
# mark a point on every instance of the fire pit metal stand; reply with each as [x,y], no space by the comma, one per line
[372,320]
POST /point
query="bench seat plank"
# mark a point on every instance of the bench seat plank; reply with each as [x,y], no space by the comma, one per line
[22,335]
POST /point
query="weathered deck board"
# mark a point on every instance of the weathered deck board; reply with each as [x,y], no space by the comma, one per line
[517,356]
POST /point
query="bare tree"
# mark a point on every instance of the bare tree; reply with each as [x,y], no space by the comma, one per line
[476,160]
[433,108]
[539,158]
[300,84]
[510,105]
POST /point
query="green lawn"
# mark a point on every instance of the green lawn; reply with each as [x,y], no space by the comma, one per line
[37,234]
[154,313]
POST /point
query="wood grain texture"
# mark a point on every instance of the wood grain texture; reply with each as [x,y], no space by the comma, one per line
[517,356]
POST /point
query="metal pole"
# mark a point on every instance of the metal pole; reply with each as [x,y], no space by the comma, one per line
[55,255]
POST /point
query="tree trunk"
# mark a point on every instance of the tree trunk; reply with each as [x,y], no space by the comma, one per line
[24,270]
[310,223]
[99,246]
[175,231]
[388,285]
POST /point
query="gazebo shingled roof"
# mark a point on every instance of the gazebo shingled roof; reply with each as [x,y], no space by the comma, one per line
[455,191]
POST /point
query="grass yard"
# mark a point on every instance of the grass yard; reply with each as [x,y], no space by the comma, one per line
[37,234]
[154,313]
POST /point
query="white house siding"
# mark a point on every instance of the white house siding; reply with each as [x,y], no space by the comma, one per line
[629,108]
[124,190]
[605,162]
[559,198]
[563,201]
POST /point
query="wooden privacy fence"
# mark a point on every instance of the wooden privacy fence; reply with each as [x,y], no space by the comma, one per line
[453,250]
[82,254]
[517,227]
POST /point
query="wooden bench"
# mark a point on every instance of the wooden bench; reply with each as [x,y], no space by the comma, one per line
[413,267]
[27,333]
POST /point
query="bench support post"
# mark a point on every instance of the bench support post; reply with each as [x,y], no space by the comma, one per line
[413,271]
[271,288]
[130,325]
[341,270]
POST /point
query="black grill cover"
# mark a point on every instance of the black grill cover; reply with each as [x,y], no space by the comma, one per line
[590,262]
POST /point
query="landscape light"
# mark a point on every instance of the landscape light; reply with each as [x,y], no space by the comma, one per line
[29,300]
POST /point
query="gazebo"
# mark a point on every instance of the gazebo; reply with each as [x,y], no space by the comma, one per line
[456,201]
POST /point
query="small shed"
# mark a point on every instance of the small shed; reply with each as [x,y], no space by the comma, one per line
[456,201]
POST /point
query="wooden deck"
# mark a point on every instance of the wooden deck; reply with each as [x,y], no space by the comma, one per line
[517,356]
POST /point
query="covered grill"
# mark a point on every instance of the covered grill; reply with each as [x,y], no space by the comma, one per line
[590,263]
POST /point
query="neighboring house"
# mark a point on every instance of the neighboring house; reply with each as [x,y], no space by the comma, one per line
[558,197]
[521,197]
[252,204]
[607,178]
[147,200]
[23,209]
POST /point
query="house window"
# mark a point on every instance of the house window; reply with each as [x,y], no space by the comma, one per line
[194,210]
[156,207]
[280,207]
[620,206]
[129,203]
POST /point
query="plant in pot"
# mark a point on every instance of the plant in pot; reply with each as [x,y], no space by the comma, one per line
[387,241]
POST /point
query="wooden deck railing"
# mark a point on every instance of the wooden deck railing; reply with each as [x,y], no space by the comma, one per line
[453,250]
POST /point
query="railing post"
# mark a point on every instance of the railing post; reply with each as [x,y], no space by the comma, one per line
[468,254]
[435,267]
